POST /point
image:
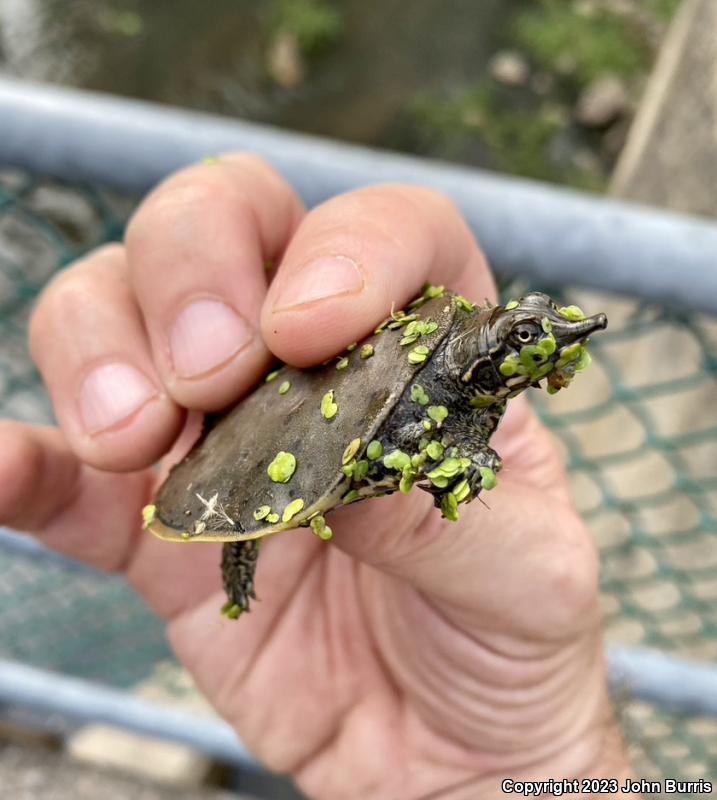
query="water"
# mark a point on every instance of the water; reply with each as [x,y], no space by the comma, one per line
[214,56]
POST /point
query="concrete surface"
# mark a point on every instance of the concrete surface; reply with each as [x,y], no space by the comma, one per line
[671,156]
[36,774]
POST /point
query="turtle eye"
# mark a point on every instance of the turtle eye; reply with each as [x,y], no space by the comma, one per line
[525,333]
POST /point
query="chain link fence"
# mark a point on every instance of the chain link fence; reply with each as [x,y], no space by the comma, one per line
[54,615]
[638,432]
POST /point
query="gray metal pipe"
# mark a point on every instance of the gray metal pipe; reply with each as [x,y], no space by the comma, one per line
[673,683]
[635,673]
[82,702]
[644,674]
[550,235]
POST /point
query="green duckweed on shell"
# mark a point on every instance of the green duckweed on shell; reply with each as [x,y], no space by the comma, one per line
[430,291]
[360,470]
[351,449]
[321,529]
[409,339]
[417,328]
[397,459]
[449,507]
[400,319]
[282,467]
[407,479]
[511,304]
[482,400]
[367,351]
[462,490]
[584,361]
[419,354]
[542,371]
[419,395]
[427,426]
[509,366]
[413,328]
[149,514]
[285,386]
[342,363]
[434,450]
[374,451]
[272,376]
[262,512]
[233,612]
[449,468]
[328,406]
[568,354]
[438,414]
[272,518]
[419,460]
[547,345]
[351,348]
[464,304]
[292,510]
[572,313]
[350,497]
[546,324]
[488,479]
[531,354]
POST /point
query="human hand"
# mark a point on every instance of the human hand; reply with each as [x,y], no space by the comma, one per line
[411,657]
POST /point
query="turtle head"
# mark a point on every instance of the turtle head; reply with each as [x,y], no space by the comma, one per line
[528,340]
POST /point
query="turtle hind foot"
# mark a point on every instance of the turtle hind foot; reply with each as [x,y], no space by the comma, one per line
[238,567]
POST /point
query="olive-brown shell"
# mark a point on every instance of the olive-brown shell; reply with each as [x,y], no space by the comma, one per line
[213,494]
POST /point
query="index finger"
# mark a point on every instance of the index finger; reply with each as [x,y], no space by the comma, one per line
[358,255]
[196,252]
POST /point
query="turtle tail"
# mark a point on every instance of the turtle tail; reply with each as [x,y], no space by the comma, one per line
[238,566]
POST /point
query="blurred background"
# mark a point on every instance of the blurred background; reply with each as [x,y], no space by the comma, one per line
[607,96]
[541,88]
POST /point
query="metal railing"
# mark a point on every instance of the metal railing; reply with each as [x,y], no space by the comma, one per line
[551,235]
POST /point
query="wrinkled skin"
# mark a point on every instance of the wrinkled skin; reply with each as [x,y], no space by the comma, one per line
[410,657]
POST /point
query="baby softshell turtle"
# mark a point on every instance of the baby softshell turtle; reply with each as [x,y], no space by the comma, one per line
[415,404]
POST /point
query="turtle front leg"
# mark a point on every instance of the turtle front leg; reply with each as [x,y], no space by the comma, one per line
[238,567]
[481,474]
[462,475]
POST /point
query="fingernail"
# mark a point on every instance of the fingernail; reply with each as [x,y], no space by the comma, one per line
[206,334]
[111,393]
[329,276]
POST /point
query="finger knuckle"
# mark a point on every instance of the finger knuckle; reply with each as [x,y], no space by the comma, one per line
[427,200]
[252,163]
[59,303]
[176,207]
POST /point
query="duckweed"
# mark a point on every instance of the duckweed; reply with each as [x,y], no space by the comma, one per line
[282,467]
[328,407]
[292,510]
